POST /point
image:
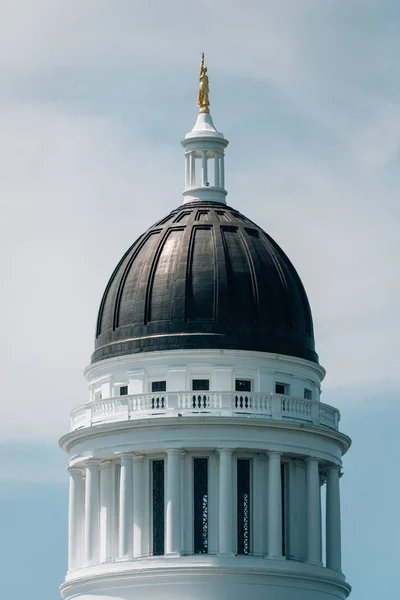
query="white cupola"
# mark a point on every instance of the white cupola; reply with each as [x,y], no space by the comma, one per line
[204,153]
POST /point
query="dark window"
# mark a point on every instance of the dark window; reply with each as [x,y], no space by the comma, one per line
[307,394]
[281,388]
[201,385]
[123,390]
[243,385]
[158,507]
[200,505]
[243,506]
[158,386]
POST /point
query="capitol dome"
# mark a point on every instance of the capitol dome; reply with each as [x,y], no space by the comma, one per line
[198,463]
[204,277]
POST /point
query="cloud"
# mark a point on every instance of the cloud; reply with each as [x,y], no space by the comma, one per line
[94,103]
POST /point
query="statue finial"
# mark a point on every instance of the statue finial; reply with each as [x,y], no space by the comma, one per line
[203,100]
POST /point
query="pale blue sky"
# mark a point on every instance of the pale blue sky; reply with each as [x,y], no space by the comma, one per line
[94,99]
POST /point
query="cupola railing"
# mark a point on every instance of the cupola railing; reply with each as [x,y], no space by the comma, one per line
[277,407]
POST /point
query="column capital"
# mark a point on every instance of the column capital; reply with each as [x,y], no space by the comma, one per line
[173,451]
[333,468]
[262,455]
[137,457]
[274,453]
[225,450]
[92,463]
[311,459]
[74,470]
[105,464]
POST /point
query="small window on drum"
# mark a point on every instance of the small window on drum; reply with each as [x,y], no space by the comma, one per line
[307,394]
[242,385]
[200,385]
[158,386]
[123,390]
[281,388]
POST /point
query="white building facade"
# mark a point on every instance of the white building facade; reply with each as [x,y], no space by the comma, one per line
[199,464]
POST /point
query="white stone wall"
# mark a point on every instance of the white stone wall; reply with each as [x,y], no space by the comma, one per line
[221,367]
[110,461]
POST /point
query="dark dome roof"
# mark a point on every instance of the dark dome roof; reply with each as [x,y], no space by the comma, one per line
[206,277]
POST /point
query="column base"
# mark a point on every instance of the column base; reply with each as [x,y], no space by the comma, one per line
[226,554]
[275,557]
[315,563]
[172,554]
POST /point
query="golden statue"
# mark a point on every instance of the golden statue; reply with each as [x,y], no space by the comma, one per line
[203,100]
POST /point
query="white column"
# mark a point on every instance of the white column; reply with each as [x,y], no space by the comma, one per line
[216,169]
[192,170]
[274,505]
[106,494]
[221,172]
[125,506]
[188,501]
[91,512]
[259,504]
[313,512]
[183,499]
[213,479]
[114,509]
[204,175]
[333,533]
[225,513]
[76,493]
[147,506]
[138,489]
[293,512]
[173,496]
[187,170]
[298,528]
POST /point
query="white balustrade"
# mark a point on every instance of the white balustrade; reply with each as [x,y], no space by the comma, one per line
[172,404]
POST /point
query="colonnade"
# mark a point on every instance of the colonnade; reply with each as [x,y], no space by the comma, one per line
[107,513]
[190,170]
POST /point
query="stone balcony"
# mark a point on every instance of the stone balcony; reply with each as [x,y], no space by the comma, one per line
[225,404]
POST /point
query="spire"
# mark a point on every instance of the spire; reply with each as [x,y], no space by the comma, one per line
[204,152]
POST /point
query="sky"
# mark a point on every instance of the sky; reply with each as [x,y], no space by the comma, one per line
[95,97]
